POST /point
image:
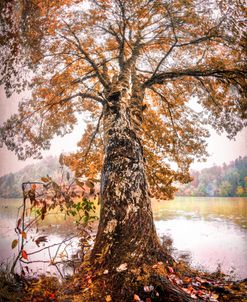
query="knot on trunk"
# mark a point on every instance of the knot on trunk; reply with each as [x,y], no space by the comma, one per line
[114,96]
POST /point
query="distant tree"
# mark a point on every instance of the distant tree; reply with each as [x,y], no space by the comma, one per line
[225,188]
[217,181]
[233,176]
[135,67]
[245,182]
[239,191]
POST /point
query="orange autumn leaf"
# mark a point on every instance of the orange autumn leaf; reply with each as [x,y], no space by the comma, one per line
[14,243]
[52,296]
[24,235]
[24,254]
[136,298]
[108,298]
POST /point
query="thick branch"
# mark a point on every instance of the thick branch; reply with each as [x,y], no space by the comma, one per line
[217,73]
[197,40]
[84,96]
[122,41]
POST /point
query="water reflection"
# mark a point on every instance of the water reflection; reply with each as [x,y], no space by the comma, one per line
[208,208]
[209,242]
[212,230]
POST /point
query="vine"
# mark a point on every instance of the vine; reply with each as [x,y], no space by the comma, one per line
[74,198]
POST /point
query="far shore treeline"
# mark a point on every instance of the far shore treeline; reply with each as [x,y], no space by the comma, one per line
[228,180]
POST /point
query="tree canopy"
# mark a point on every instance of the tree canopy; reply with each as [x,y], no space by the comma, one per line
[72,54]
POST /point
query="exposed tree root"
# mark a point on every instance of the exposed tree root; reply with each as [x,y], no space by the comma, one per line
[153,283]
[149,283]
[146,283]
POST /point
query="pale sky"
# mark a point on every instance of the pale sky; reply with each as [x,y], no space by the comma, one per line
[220,148]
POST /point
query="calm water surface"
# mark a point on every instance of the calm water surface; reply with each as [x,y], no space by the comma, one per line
[212,230]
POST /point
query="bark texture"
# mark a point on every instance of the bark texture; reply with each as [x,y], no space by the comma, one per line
[126,237]
[126,231]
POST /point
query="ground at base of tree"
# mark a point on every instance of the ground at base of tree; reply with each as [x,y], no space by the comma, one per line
[146,283]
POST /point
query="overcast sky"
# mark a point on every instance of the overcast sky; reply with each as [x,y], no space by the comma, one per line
[220,148]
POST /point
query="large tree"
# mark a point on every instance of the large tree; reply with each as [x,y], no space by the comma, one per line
[150,74]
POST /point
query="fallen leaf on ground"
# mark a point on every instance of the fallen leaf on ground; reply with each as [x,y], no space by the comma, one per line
[108,298]
[136,298]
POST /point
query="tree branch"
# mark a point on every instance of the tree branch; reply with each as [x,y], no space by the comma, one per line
[208,91]
[86,55]
[173,45]
[217,73]
[122,41]
[169,111]
[62,101]
[94,134]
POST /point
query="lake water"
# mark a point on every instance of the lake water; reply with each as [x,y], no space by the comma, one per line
[213,231]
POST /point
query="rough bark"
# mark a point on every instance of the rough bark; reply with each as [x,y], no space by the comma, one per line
[126,237]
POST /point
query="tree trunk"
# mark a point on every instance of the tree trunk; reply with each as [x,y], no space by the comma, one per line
[126,237]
